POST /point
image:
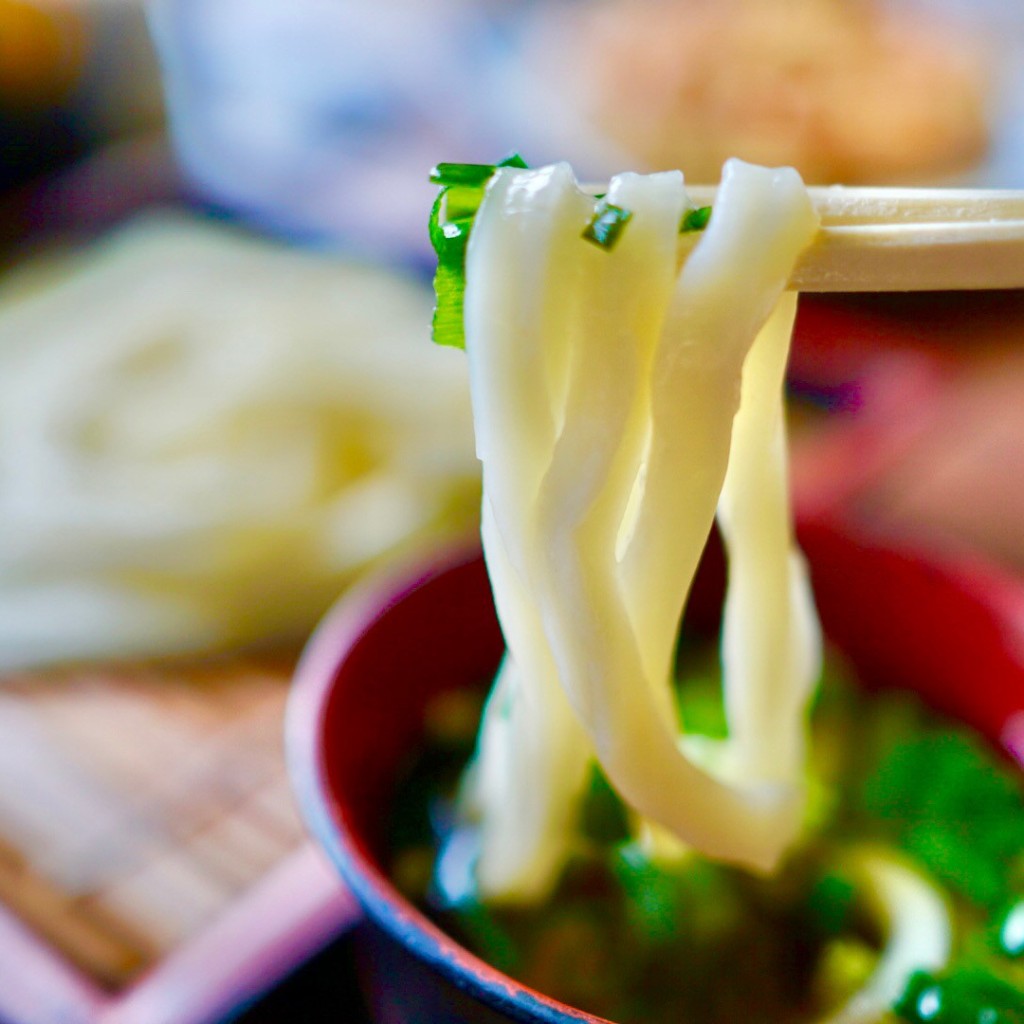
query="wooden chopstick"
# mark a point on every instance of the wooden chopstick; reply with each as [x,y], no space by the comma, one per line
[843,205]
[914,257]
[891,240]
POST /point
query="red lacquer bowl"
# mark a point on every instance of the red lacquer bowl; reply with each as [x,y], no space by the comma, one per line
[947,627]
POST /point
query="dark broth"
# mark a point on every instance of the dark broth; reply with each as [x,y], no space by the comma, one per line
[642,943]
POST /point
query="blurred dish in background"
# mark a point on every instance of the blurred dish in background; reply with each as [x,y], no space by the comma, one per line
[322,118]
[73,74]
[42,54]
[844,90]
[119,92]
[204,436]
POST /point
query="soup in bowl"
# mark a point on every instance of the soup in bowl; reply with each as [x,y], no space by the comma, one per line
[398,663]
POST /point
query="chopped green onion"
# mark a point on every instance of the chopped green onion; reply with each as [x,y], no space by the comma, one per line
[830,904]
[695,219]
[655,898]
[1011,931]
[449,286]
[449,239]
[451,220]
[513,160]
[603,816]
[473,175]
[435,222]
[489,934]
[969,995]
[460,201]
[926,786]
[607,224]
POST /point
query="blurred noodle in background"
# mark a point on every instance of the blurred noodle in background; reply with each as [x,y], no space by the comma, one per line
[204,437]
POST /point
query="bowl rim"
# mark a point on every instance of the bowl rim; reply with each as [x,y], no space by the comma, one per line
[356,614]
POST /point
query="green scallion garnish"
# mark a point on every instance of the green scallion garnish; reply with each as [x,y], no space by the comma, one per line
[471,175]
[449,238]
[960,995]
[513,160]
[451,220]
[607,224]
[695,219]
[1010,939]
[461,201]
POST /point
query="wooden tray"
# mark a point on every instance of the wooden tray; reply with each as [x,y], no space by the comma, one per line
[153,867]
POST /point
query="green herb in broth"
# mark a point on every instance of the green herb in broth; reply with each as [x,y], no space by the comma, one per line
[966,995]
[639,941]
[942,802]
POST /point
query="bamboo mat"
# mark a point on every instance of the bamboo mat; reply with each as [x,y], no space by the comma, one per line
[137,801]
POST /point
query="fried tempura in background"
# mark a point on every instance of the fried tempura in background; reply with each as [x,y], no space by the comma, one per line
[844,90]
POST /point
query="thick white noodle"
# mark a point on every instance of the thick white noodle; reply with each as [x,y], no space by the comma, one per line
[605,384]
[918,932]
[770,644]
[533,754]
